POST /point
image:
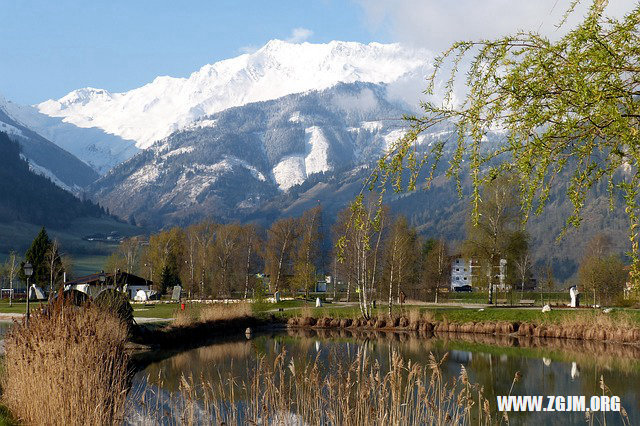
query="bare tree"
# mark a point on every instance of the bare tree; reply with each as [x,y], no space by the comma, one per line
[368,224]
[278,251]
[228,258]
[12,267]
[250,242]
[523,267]
[400,257]
[489,238]
[308,251]
[54,264]
[437,267]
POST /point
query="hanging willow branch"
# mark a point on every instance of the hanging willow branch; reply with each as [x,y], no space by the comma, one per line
[569,106]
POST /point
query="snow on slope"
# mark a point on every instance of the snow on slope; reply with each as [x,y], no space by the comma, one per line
[152,112]
[294,169]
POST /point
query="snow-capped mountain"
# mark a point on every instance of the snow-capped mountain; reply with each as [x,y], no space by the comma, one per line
[154,111]
[228,164]
[45,157]
[94,146]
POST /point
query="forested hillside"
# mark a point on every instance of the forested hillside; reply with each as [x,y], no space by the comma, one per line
[28,197]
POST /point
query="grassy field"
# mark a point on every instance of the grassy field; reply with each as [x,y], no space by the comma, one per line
[88,264]
[88,256]
[18,307]
[482,297]
[292,308]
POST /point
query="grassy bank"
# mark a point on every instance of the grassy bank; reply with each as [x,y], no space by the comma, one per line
[463,315]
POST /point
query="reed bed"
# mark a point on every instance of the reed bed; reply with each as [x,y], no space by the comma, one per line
[211,313]
[289,392]
[68,367]
[225,312]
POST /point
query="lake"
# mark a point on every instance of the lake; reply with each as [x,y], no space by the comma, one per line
[547,366]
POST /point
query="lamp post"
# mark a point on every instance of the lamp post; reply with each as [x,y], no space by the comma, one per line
[28,271]
[102,278]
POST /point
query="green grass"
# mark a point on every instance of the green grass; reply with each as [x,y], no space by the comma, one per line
[6,418]
[87,264]
[461,315]
[482,297]
[160,310]
[18,307]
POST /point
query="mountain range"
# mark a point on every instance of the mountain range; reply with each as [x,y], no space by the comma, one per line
[253,137]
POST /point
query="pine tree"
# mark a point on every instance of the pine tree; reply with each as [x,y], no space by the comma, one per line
[37,256]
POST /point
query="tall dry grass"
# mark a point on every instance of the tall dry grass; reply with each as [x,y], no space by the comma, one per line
[230,311]
[68,367]
[297,392]
[415,316]
[212,312]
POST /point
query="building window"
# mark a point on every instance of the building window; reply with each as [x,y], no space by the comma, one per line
[457,261]
[465,278]
[457,278]
[465,269]
[457,269]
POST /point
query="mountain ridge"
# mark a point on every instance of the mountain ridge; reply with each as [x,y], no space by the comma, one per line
[167,104]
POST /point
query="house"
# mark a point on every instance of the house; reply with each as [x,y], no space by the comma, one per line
[94,284]
[465,271]
[461,272]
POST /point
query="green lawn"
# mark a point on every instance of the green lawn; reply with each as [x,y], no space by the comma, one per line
[87,264]
[482,297]
[18,307]
[160,310]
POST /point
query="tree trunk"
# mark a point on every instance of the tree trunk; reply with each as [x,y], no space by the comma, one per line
[246,277]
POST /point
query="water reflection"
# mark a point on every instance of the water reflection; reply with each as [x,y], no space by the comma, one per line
[547,366]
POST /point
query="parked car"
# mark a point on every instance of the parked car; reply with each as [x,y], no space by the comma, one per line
[463,288]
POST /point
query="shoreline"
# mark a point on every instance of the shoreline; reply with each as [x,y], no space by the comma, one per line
[497,328]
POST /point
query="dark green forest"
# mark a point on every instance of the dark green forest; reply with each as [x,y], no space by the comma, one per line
[28,197]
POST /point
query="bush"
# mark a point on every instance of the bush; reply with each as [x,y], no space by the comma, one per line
[69,366]
[116,303]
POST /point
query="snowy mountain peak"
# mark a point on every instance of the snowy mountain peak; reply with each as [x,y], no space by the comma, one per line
[279,68]
[83,96]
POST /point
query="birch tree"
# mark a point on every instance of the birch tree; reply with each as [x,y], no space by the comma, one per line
[437,267]
[308,252]
[400,258]
[11,268]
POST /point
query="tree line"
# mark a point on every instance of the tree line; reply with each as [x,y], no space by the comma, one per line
[371,255]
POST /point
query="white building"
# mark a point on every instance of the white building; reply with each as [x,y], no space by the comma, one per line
[461,272]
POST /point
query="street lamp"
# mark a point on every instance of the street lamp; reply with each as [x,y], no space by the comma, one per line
[28,271]
[102,278]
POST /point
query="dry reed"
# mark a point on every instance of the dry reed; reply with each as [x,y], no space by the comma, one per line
[218,312]
[297,392]
[69,366]
[211,313]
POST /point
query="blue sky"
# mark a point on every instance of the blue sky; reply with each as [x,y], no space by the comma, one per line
[48,48]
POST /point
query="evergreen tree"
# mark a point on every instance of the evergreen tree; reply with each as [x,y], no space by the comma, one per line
[169,278]
[37,256]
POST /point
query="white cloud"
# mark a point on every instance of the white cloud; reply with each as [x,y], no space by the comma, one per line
[435,24]
[298,35]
